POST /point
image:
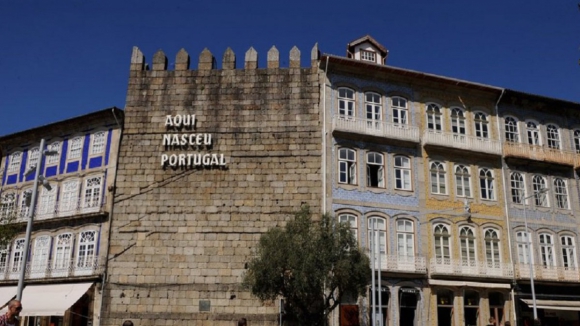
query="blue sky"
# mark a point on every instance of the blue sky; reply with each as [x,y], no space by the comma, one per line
[60,59]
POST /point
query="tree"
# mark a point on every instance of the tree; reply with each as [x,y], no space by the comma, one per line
[311,265]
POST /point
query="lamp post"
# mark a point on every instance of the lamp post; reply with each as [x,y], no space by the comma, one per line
[541,191]
[37,178]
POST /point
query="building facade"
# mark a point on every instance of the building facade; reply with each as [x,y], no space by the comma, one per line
[66,259]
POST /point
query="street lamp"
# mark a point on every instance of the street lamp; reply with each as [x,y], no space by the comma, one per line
[37,179]
[541,191]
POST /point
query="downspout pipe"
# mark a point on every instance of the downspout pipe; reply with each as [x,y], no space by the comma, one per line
[324,135]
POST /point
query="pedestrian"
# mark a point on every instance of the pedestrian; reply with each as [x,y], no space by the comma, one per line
[11,316]
[242,322]
[127,323]
[507,323]
[491,321]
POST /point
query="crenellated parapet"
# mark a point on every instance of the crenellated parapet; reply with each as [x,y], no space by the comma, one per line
[207,60]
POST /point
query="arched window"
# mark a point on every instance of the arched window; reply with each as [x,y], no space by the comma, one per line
[517,185]
[402,173]
[8,206]
[4,258]
[481,125]
[378,238]
[462,181]
[69,197]
[98,141]
[442,249]
[467,241]
[568,252]
[547,250]
[87,250]
[512,133]
[14,164]
[400,111]
[577,140]
[92,192]
[492,249]
[523,240]
[375,170]
[561,192]
[438,181]
[373,110]
[457,121]
[553,136]
[346,166]
[25,201]
[350,220]
[533,133]
[405,240]
[47,203]
[345,102]
[486,184]
[540,198]
[75,148]
[62,253]
[53,159]
[434,117]
[40,254]
[17,255]
[33,156]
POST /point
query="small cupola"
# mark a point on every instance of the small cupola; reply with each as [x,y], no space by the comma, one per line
[367,49]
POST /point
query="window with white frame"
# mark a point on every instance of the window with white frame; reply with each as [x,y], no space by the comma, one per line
[405,239]
[98,141]
[347,166]
[75,148]
[434,117]
[47,203]
[462,181]
[457,122]
[25,201]
[577,140]
[4,258]
[568,252]
[63,251]
[40,254]
[438,178]
[87,249]
[400,111]
[492,248]
[467,244]
[512,133]
[547,250]
[523,240]
[553,136]
[33,157]
[442,248]
[486,184]
[373,110]
[517,187]
[17,255]
[375,170]
[368,56]
[8,206]
[402,173]
[14,164]
[378,238]
[481,125]
[540,197]
[561,192]
[350,220]
[533,133]
[69,197]
[345,102]
[92,192]
[53,147]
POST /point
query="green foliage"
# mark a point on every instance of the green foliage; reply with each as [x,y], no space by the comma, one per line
[8,228]
[311,264]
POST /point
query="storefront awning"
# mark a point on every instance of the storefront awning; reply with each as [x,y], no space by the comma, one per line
[6,294]
[554,304]
[470,284]
[51,300]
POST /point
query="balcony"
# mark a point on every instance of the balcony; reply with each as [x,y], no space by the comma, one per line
[402,264]
[548,273]
[81,266]
[462,142]
[471,268]
[62,209]
[376,128]
[541,153]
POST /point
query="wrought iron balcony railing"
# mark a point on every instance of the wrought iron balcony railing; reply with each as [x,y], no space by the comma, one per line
[463,142]
[474,268]
[375,128]
[548,273]
[80,266]
[541,153]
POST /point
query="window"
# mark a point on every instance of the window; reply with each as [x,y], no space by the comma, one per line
[540,198]
[457,122]
[15,160]
[486,184]
[53,159]
[561,192]
[373,110]
[368,56]
[17,255]
[346,166]
[481,125]
[345,102]
[75,148]
[92,192]
[471,307]
[462,181]
[467,241]
[63,250]
[99,140]
[405,239]
[4,258]
[47,203]
[492,248]
[438,182]
[553,136]
[351,221]
[40,255]
[511,130]
[402,173]
[442,249]
[577,140]
[434,117]
[378,239]
[547,250]
[69,197]
[375,170]
[86,250]
[33,156]
[8,206]
[400,111]
[533,133]
[517,183]
[523,240]
[568,252]
[25,201]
